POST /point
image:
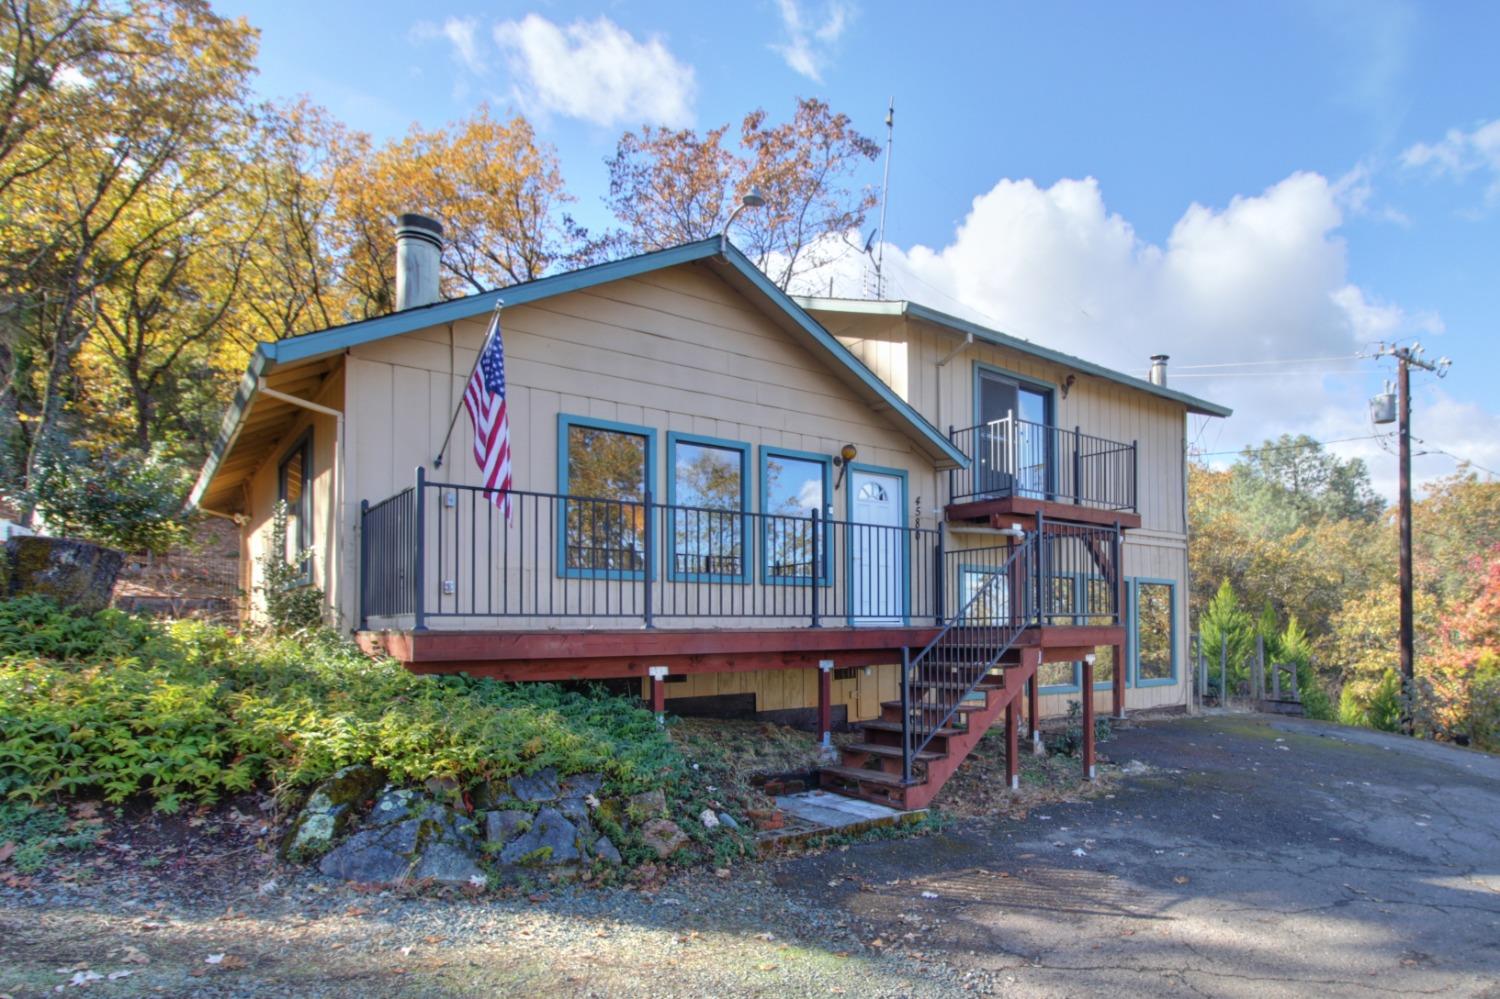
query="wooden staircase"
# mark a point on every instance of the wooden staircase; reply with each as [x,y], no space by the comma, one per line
[952,691]
[872,768]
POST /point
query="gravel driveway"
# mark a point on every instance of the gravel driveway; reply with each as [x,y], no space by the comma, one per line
[1238,856]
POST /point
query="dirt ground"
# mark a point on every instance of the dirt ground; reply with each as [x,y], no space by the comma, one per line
[1234,856]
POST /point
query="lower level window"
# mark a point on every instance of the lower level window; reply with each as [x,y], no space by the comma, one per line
[985,595]
[1154,647]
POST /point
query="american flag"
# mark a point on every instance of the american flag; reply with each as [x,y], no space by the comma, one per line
[485,400]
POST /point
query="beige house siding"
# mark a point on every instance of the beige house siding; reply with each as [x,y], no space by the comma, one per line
[262,494]
[678,350]
[905,352]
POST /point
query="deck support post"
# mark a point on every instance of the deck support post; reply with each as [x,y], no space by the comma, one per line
[825,705]
[1118,651]
[1088,716]
[1034,707]
[1118,689]
[1012,745]
[659,693]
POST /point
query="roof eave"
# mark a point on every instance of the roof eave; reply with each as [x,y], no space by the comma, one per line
[229,430]
[916,310]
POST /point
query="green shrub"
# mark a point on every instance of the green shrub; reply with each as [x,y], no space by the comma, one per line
[1068,741]
[292,602]
[123,499]
[1372,705]
[188,712]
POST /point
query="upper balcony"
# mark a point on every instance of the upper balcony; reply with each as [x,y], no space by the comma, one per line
[1021,468]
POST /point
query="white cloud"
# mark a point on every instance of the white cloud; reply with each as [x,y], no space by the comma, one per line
[596,71]
[1458,154]
[1262,278]
[462,35]
[810,42]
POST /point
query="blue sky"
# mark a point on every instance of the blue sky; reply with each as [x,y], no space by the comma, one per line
[1261,182]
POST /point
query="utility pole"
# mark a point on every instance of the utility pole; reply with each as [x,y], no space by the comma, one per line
[1406,359]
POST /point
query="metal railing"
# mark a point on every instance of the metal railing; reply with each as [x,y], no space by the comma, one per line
[444,550]
[387,555]
[1015,457]
[952,666]
[1057,575]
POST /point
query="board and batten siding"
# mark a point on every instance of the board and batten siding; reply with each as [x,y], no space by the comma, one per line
[905,352]
[675,350]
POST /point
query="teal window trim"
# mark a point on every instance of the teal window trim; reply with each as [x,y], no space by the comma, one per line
[304,511]
[565,422]
[1048,389]
[1133,632]
[767,452]
[902,547]
[747,546]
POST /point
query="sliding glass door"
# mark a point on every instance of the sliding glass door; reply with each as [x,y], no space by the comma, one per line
[1013,445]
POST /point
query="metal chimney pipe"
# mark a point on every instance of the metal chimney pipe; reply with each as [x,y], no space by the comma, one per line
[1159,370]
[419,254]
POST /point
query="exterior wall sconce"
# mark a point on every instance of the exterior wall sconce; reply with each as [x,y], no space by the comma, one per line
[846,454]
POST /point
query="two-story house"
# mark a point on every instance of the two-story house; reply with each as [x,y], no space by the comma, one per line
[745,502]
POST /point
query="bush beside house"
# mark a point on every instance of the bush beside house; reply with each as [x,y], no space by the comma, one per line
[117,707]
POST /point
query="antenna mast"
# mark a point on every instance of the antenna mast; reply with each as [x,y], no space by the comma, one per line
[885,188]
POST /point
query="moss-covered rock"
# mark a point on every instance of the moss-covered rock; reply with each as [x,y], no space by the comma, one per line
[76,574]
[328,811]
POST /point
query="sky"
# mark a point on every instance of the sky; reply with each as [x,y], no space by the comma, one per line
[1262,191]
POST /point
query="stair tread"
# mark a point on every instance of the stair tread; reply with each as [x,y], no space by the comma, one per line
[872,776]
[875,749]
[953,685]
[918,705]
[891,726]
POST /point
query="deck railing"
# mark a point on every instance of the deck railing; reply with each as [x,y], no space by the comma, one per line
[443,552]
[1011,457]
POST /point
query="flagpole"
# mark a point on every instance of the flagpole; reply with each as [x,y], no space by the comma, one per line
[494,327]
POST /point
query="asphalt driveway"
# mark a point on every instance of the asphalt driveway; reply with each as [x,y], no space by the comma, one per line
[1236,856]
[1246,856]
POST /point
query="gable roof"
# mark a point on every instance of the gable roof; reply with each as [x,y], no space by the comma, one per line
[916,310]
[728,262]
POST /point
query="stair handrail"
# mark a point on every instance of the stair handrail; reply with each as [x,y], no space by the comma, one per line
[910,747]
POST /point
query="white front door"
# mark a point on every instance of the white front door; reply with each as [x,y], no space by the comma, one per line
[877,549]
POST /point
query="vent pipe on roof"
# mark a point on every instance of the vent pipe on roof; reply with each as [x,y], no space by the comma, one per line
[1159,370]
[419,254]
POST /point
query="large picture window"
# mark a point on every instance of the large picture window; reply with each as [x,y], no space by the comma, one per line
[294,488]
[793,486]
[1155,647]
[709,496]
[605,470]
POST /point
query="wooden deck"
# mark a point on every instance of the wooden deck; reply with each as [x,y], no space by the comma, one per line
[1003,511]
[599,655]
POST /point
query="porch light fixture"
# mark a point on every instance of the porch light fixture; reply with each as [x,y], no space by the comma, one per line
[846,454]
[1089,658]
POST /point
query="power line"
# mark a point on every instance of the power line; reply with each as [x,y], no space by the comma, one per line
[1289,447]
[1271,374]
[1284,360]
